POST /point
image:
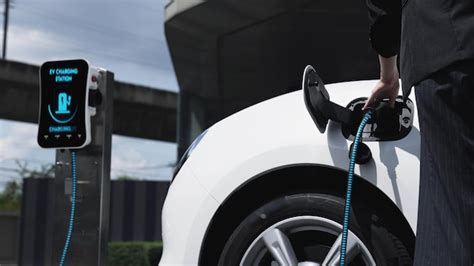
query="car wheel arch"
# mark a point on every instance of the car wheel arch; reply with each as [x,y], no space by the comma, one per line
[291,179]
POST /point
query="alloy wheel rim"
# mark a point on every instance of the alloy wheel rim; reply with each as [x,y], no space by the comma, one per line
[277,244]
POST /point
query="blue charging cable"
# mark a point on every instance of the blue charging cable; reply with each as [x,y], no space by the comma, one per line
[73,209]
[347,208]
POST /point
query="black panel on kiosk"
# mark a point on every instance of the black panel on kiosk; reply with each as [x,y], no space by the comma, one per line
[64,120]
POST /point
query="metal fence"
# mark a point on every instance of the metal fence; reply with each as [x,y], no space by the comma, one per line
[9,228]
[135,215]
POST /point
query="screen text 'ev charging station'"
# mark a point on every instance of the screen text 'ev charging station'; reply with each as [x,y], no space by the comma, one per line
[75,118]
[65,113]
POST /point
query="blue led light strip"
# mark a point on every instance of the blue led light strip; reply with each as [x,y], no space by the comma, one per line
[73,210]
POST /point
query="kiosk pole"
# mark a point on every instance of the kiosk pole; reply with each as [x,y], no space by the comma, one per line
[90,235]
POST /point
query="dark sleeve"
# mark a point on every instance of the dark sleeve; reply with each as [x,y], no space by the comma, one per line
[385,26]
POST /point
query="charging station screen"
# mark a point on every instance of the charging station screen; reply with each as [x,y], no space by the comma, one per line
[63,91]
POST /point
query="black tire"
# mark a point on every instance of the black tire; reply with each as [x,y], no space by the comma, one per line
[385,247]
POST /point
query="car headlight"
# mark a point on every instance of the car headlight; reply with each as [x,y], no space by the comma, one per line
[187,153]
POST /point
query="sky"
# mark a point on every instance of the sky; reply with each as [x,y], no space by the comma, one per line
[123,36]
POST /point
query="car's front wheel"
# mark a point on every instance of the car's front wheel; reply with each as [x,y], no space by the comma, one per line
[304,230]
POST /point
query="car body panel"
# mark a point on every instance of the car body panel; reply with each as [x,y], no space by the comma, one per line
[187,211]
[280,132]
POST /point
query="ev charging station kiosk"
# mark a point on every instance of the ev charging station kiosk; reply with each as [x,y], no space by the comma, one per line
[75,118]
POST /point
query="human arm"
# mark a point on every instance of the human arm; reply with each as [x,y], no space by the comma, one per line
[388,85]
[385,27]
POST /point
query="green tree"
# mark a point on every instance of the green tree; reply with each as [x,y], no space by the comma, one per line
[10,197]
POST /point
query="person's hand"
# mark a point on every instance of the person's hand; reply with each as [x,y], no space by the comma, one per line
[388,85]
[383,89]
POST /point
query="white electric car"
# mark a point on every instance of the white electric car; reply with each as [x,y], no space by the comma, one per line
[265,187]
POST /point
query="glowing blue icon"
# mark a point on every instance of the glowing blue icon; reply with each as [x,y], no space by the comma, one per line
[64,101]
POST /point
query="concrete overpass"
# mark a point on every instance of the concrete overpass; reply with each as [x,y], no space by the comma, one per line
[139,111]
[229,54]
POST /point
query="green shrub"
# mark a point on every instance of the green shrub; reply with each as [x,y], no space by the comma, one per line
[134,253]
[155,249]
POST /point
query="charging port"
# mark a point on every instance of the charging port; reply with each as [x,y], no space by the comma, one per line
[387,124]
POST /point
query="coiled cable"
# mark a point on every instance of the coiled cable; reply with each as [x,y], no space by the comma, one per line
[67,243]
[350,176]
